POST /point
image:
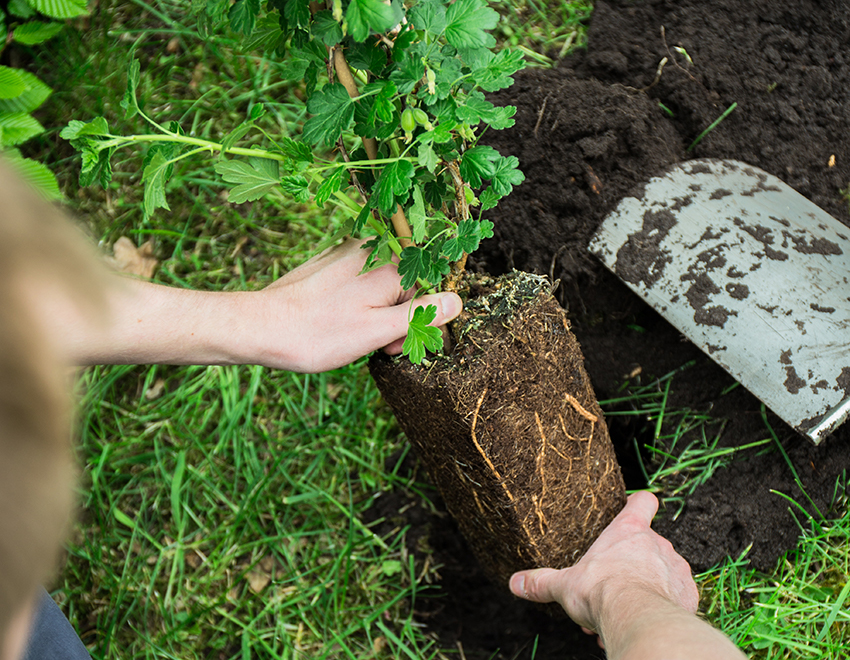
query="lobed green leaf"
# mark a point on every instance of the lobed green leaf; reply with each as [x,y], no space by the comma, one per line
[393,186]
[329,186]
[421,335]
[363,16]
[326,28]
[243,15]
[467,22]
[478,163]
[254,179]
[506,175]
[332,110]
[129,103]
[415,262]
[416,215]
[155,177]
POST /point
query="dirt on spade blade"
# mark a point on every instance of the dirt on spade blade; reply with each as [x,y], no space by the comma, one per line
[509,430]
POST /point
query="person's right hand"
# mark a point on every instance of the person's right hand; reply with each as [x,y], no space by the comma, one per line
[626,560]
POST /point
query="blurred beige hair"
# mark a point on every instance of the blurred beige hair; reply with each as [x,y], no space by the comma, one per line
[36,466]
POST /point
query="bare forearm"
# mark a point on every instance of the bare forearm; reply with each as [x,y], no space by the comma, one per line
[650,627]
[148,323]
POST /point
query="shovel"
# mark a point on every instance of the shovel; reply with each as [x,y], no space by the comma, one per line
[750,271]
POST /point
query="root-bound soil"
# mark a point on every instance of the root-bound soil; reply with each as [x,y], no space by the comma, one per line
[509,430]
[589,132]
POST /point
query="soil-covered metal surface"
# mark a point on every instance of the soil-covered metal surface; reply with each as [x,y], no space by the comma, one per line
[587,134]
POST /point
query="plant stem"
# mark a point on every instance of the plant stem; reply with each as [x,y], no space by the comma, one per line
[343,73]
[207,145]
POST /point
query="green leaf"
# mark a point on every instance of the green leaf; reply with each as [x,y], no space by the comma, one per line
[467,22]
[34,94]
[440,267]
[254,178]
[391,567]
[475,109]
[415,262]
[16,128]
[297,12]
[495,71]
[129,103]
[243,15]
[363,16]
[235,135]
[502,117]
[297,151]
[426,157]
[257,111]
[393,186]
[167,150]
[429,15]
[96,161]
[154,177]
[60,8]
[478,163]
[20,9]
[332,110]
[367,56]
[408,73]
[36,32]
[421,335]
[35,173]
[297,187]
[329,186]
[380,253]
[326,28]
[489,198]
[417,217]
[11,83]
[360,222]
[267,35]
[383,107]
[506,175]
[469,234]
[76,129]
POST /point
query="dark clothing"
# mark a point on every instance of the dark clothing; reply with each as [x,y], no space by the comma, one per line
[52,637]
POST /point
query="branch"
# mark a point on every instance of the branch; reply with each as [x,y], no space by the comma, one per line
[343,73]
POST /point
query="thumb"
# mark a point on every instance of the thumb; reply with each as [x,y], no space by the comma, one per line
[535,585]
[448,305]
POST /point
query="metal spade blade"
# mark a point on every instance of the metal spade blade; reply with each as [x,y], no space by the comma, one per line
[750,271]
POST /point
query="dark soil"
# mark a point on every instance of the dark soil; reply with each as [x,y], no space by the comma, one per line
[586,136]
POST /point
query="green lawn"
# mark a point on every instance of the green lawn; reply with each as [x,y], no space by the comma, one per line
[221,507]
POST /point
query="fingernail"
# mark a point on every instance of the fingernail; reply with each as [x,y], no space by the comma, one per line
[518,585]
[451,305]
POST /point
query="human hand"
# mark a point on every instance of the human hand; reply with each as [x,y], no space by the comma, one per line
[628,560]
[324,314]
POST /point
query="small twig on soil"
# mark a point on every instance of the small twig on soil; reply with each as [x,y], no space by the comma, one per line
[657,75]
[540,114]
[673,59]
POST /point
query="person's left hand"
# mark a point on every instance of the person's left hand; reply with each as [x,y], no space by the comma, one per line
[329,315]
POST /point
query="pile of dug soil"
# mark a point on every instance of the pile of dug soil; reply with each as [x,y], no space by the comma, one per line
[589,132]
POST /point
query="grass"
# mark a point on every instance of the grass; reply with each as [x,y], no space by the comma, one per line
[221,508]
